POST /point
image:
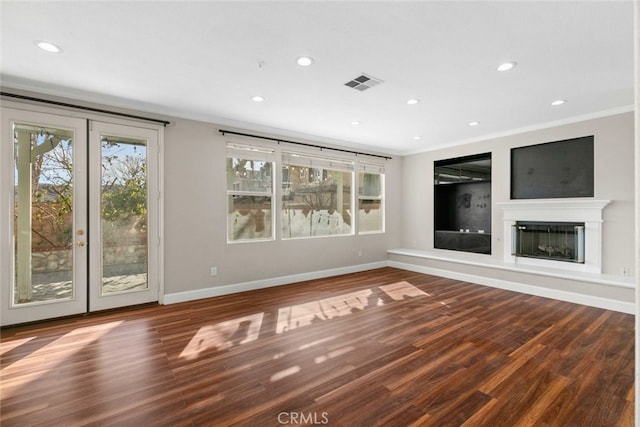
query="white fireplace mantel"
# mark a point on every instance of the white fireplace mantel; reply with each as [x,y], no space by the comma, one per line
[588,211]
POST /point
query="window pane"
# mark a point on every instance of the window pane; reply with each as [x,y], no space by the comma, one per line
[370,215]
[370,203]
[370,184]
[315,202]
[249,175]
[249,218]
[250,189]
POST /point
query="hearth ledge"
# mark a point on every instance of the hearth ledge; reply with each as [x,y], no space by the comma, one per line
[479,260]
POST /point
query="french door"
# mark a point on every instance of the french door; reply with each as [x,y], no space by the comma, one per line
[79,215]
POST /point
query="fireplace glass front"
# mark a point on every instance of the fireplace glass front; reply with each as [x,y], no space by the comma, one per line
[559,241]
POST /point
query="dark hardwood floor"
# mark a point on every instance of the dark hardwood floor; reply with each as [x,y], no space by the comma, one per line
[384,347]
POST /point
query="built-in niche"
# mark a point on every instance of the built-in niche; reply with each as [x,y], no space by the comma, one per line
[462,204]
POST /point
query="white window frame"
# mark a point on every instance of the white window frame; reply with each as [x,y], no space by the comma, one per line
[258,153]
[307,160]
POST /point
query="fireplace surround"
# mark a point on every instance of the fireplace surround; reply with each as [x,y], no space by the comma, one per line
[586,214]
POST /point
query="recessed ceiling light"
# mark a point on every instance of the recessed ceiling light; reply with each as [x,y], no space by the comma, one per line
[48,46]
[305,61]
[257,98]
[417,137]
[355,123]
[558,102]
[474,123]
[413,101]
[507,66]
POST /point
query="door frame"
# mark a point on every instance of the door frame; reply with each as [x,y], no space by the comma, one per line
[6,196]
[32,311]
[97,300]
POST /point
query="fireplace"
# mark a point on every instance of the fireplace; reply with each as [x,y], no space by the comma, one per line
[558,241]
[554,233]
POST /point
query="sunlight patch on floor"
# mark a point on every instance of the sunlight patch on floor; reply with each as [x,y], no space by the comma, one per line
[47,358]
[8,346]
[299,315]
[316,342]
[228,334]
[398,291]
[223,335]
[285,373]
[334,353]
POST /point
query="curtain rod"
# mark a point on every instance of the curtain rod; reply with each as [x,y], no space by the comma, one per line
[279,140]
[95,110]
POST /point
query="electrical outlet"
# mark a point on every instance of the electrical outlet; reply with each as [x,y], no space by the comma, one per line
[359,252]
[214,271]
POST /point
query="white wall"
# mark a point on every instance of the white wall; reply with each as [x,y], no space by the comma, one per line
[195,221]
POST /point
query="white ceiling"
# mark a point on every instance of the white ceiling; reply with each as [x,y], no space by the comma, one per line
[205,60]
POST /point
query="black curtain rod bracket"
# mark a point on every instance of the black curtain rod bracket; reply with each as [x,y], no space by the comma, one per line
[81,107]
[279,140]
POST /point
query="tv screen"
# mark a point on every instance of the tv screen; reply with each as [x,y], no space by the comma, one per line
[553,169]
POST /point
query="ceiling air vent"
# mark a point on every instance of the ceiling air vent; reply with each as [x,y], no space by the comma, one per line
[363,82]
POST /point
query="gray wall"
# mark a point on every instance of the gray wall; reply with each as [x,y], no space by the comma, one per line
[614,178]
[195,221]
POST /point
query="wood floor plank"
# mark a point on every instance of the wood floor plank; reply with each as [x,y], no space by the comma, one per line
[385,347]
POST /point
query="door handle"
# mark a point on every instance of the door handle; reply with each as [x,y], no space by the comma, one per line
[80,243]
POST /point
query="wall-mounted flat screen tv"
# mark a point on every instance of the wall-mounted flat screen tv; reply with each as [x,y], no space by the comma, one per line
[553,169]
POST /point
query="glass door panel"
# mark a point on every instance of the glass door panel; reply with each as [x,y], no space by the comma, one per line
[124,209]
[44,272]
[43,210]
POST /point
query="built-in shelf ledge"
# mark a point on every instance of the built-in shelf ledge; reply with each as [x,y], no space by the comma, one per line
[484,261]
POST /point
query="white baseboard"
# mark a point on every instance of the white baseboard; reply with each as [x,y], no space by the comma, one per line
[609,304]
[266,283]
